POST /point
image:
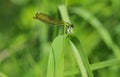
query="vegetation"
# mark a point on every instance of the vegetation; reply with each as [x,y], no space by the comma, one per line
[32,48]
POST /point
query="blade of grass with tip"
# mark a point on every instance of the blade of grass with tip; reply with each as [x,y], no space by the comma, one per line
[80,56]
[99,27]
[56,58]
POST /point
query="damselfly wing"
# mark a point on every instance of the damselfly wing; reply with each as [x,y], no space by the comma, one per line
[45,18]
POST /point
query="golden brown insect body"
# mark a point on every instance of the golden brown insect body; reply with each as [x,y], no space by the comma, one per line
[45,18]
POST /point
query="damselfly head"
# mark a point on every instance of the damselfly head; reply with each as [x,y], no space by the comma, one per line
[72,26]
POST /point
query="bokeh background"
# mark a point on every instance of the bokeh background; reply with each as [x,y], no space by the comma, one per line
[24,41]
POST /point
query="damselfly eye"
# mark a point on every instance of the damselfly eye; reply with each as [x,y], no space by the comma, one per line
[72,25]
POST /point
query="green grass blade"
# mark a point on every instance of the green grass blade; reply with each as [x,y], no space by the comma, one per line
[99,27]
[3,75]
[95,66]
[56,58]
[80,56]
[104,64]
[64,13]
[51,65]
[72,72]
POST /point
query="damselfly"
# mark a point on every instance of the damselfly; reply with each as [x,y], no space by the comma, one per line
[47,19]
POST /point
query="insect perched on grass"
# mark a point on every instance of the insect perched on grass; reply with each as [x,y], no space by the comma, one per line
[45,18]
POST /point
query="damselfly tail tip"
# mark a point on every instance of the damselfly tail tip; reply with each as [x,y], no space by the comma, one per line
[35,17]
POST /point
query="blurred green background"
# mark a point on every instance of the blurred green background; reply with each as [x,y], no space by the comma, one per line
[25,42]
